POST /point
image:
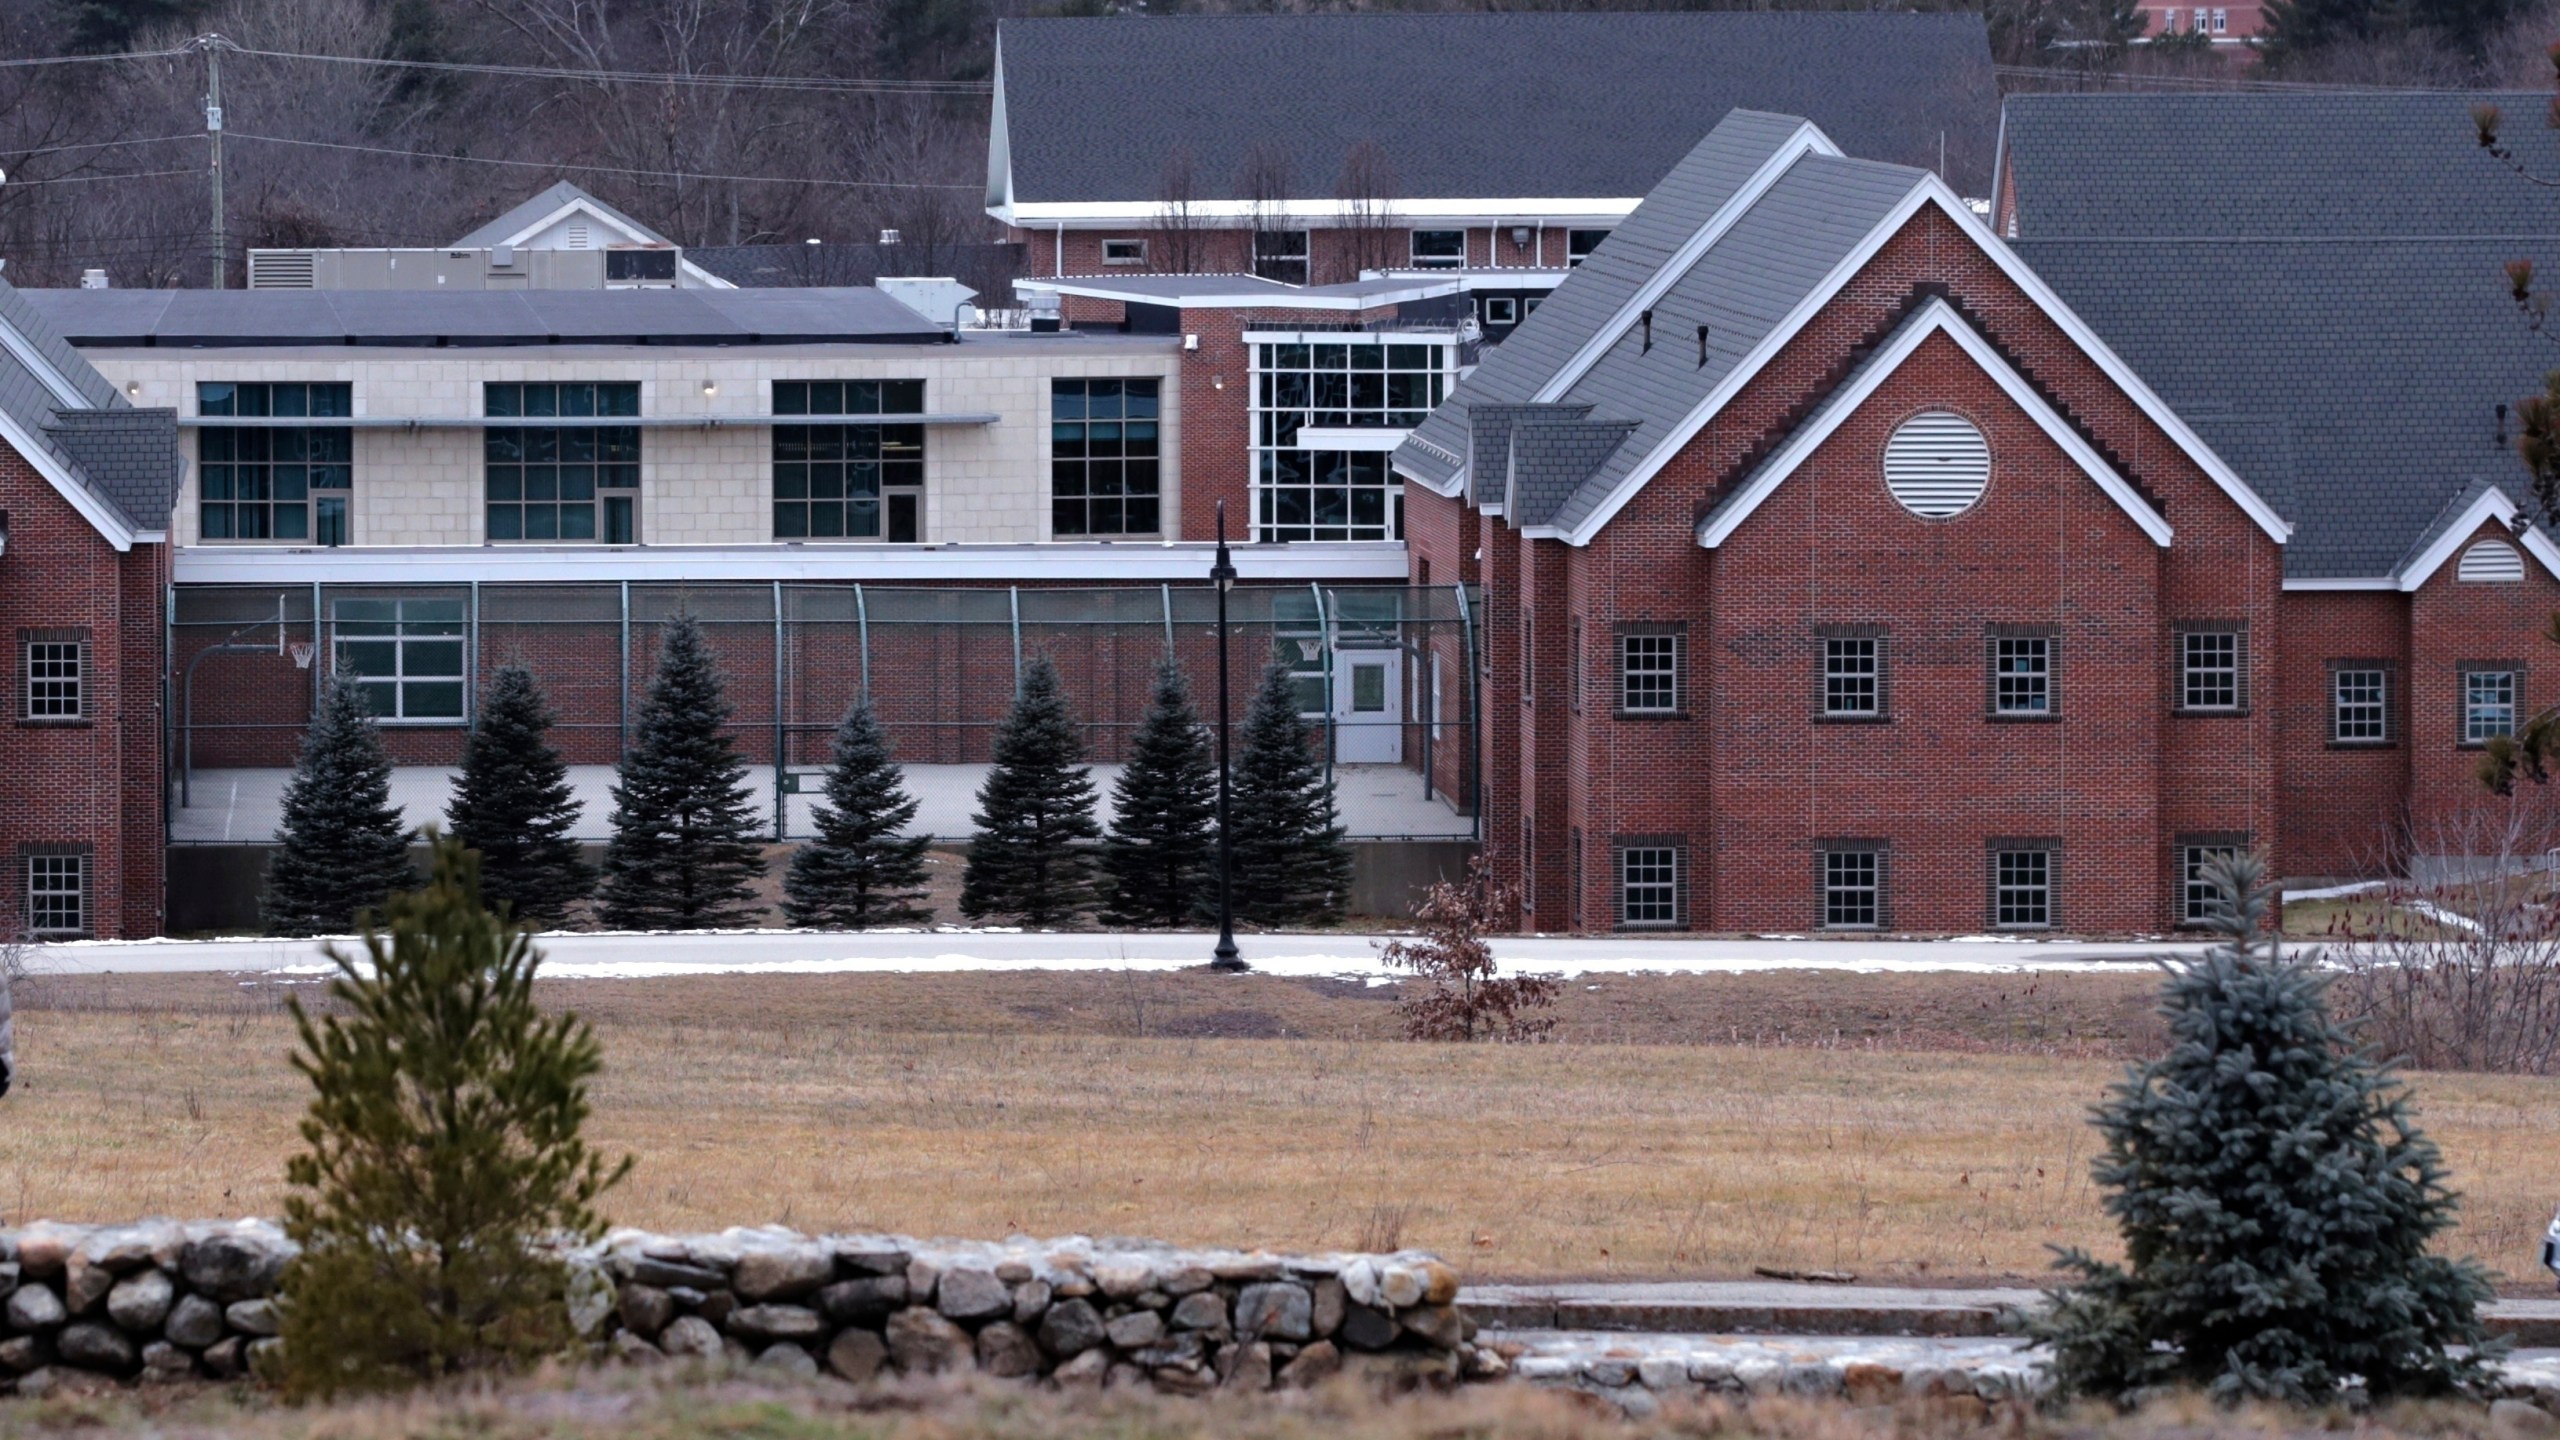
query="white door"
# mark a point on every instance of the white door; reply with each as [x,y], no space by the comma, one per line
[1368,707]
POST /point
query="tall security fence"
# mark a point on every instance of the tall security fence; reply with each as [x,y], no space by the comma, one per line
[1386,673]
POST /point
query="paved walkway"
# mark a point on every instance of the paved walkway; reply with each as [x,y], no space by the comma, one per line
[787,952]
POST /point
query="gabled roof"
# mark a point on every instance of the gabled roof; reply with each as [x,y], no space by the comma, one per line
[2121,166]
[1521,105]
[2480,503]
[514,225]
[1741,246]
[118,466]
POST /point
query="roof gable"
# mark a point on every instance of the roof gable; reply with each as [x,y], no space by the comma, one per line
[116,465]
[2480,504]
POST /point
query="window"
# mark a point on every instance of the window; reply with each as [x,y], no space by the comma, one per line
[53,663]
[1649,669]
[1501,310]
[1102,457]
[1309,493]
[2488,702]
[639,267]
[57,893]
[2359,704]
[1852,879]
[857,481]
[2021,675]
[2196,893]
[571,481]
[1281,255]
[1648,883]
[2212,669]
[1578,245]
[406,655]
[1439,249]
[2022,881]
[2221,21]
[274,482]
[1124,252]
[2172,22]
[1852,677]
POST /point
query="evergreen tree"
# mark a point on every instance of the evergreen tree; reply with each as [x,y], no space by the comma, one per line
[342,848]
[444,1152]
[513,804]
[1292,867]
[684,851]
[1161,854]
[1029,858]
[2277,1201]
[863,868]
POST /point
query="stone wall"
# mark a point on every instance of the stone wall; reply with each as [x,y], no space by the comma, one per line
[164,1301]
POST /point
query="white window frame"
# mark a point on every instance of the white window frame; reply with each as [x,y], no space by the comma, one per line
[40,873]
[1303,256]
[404,643]
[2010,687]
[1657,667]
[1657,890]
[1133,251]
[2491,698]
[2221,21]
[1508,314]
[1851,663]
[1843,884]
[2019,886]
[45,689]
[1575,252]
[2205,653]
[2367,711]
[2196,894]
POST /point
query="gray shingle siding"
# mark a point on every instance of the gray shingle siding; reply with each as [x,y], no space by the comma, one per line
[1477,105]
[1551,458]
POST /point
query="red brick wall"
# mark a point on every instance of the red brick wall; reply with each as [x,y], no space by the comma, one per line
[2339,807]
[2451,623]
[93,783]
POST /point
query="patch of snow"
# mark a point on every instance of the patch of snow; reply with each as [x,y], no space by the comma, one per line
[2442,916]
[2332,892]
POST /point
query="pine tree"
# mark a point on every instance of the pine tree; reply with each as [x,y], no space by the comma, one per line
[513,804]
[863,868]
[1160,856]
[1292,867]
[1029,858]
[2277,1201]
[684,852]
[444,1152]
[342,848]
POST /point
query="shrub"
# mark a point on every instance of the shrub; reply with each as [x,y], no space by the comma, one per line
[1466,997]
[444,1156]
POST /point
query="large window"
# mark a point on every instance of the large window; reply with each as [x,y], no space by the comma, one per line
[1281,255]
[406,655]
[1103,456]
[274,482]
[54,663]
[57,893]
[1307,491]
[853,480]
[1852,881]
[578,480]
[1439,249]
[2488,702]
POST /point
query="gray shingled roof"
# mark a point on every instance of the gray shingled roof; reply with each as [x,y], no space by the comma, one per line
[2352,383]
[1561,105]
[128,458]
[2127,166]
[1552,457]
[1744,284]
[507,225]
[483,317]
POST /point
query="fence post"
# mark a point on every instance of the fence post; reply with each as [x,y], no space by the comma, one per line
[1475,711]
[622,691]
[317,658]
[781,762]
[862,628]
[1013,594]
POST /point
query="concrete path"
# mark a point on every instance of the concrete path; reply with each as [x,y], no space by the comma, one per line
[1779,1308]
[787,952]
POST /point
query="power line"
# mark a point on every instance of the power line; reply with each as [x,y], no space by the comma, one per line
[90,59]
[93,179]
[98,145]
[605,169]
[640,77]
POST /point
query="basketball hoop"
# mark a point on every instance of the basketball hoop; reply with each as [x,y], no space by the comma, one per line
[302,654]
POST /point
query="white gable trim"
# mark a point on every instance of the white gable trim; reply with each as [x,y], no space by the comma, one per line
[1936,317]
[2493,505]
[999,146]
[629,232]
[1808,139]
[65,394]
[1928,190]
[96,511]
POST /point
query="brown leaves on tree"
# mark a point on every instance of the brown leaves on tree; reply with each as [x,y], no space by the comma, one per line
[1460,995]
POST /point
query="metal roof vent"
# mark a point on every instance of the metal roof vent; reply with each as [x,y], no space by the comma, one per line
[283,269]
[1937,465]
[2491,562]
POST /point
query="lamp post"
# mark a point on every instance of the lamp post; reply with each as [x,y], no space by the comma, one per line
[1225,957]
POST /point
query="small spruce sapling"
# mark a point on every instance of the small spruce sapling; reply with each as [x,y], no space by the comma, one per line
[1031,855]
[342,848]
[1460,993]
[1160,855]
[513,803]
[684,850]
[862,868]
[445,1161]
[1293,866]
[2277,1200]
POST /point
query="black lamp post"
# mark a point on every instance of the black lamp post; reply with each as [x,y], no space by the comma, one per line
[1226,956]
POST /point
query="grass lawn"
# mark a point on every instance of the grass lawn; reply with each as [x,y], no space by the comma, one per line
[1902,1127]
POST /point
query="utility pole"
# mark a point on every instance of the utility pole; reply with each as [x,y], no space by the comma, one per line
[213,46]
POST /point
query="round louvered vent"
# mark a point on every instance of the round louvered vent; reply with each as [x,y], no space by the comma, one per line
[1937,465]
[2491,562]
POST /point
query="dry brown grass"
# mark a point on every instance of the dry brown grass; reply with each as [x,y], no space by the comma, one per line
[1121,1104]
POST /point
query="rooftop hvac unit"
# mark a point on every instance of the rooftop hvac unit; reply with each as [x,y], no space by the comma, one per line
[93,279]
[283,270]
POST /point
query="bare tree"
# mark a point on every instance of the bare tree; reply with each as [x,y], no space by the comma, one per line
[1366,191]
[2455,964]
[1181,234]
[1265,183]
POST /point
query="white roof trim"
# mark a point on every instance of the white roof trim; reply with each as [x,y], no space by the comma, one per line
[2493,505]
[1808,139]
[1936,317]
[1457,482]
[1277,297]
[640,236]
[1551,211]
[100,515]
[65,394]
[1099,564]
[2381,582]
[1929,190]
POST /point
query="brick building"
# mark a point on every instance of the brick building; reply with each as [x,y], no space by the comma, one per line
[86,481]
[1837,573]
